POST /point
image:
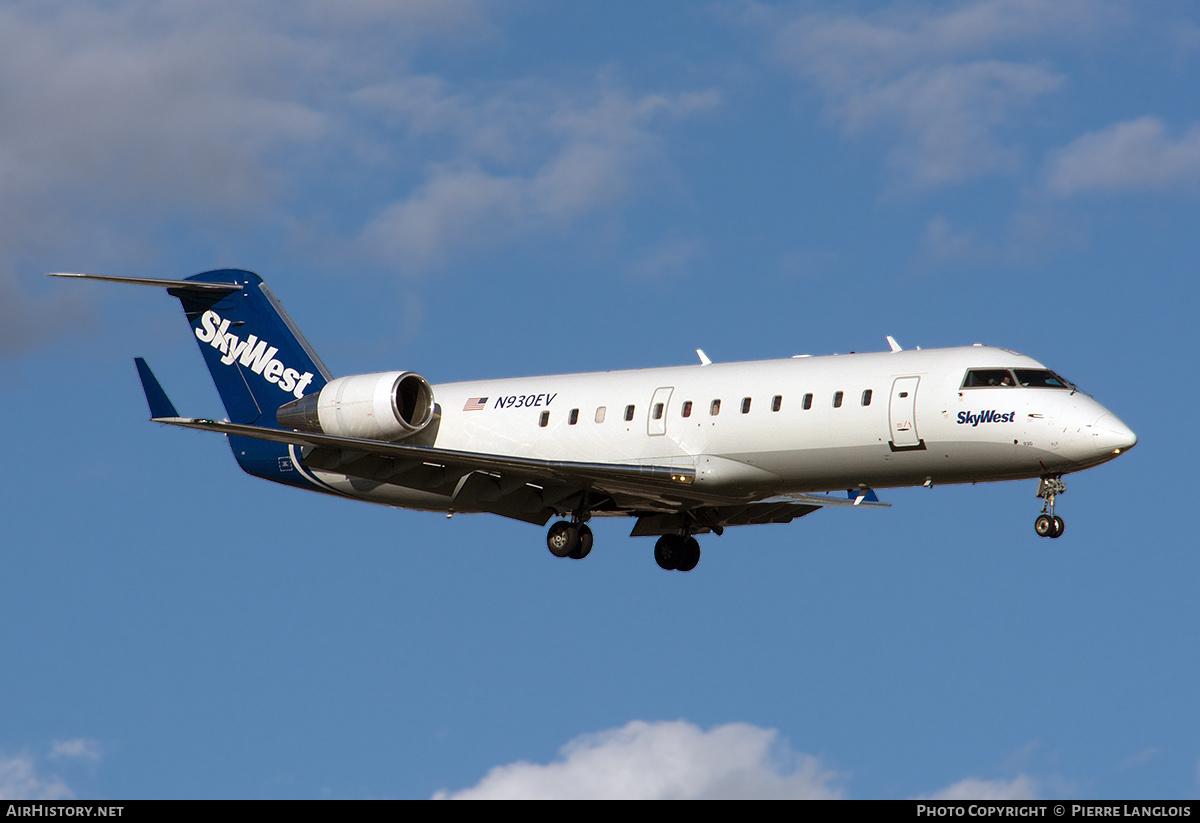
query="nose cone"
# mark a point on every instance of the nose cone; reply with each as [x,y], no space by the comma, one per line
[1111,436]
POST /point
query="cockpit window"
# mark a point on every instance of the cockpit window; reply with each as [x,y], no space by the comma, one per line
[1026,378]
[1042,379]
[980,378]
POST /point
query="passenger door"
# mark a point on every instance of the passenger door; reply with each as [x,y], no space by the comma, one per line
[902,415]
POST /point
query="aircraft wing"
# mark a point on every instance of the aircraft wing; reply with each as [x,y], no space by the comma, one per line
[425,467]
[656,493]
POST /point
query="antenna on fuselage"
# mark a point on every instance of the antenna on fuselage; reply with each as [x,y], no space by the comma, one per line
[892,342]
[704,361]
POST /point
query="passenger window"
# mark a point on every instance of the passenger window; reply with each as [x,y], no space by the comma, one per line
[658,411]
[629,412]
[807,401]
[545,419]
[745,405]
[600,410]
[837,399]
[573,418]
[715,408]
[687,408]
[777,402]
[866,398]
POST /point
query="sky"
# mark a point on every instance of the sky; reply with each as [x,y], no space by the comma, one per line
[476,190]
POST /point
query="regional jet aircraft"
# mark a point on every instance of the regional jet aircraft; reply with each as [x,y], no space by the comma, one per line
[686,450]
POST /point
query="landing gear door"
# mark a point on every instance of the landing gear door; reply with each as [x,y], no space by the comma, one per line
[658,411]
[902,415]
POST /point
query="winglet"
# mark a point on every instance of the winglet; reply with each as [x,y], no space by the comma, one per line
[156,398]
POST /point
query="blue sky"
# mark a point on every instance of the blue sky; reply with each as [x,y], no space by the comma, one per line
[474,190]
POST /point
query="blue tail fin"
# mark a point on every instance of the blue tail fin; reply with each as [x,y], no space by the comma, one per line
[258,360]
[257,357]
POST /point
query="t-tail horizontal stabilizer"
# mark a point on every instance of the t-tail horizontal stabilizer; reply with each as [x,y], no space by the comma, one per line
[160,405]
[190,286]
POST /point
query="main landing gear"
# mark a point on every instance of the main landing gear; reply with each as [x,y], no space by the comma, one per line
[569,539]
[1047,524]
[677,552]
[572,538]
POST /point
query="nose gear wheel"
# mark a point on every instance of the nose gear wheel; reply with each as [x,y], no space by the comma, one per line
[1047,523]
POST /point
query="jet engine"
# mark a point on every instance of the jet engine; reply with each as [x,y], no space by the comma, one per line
[388,406]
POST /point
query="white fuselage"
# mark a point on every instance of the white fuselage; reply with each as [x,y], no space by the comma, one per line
[918,424]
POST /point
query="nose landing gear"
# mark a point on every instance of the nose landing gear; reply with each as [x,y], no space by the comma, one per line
[1047,524]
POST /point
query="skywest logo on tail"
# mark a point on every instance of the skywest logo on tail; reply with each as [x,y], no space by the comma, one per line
[255,354]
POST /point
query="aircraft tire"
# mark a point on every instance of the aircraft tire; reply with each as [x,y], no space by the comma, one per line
[689,556]
[667,551]
[562,539]
[1044,525]
[1059,527]
[585,543]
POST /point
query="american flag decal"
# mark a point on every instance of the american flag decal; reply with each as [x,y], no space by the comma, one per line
[475,403]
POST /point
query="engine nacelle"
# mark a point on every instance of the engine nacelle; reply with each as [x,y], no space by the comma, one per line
[387,406]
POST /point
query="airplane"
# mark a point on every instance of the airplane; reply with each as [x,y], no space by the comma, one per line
[685,450]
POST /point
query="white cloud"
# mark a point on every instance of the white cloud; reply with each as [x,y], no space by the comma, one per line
[23,778]
[669,258]
[122,118]
[140,112]
[146,104]
[931,80]
[456,203]
[78,748]
[28,320]
[526,159]
[944,245]
[1128,156]
[949,116]
[666,760]
[403,20]
[1140,758]
[1021,787]
[140,106]
[20,780]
